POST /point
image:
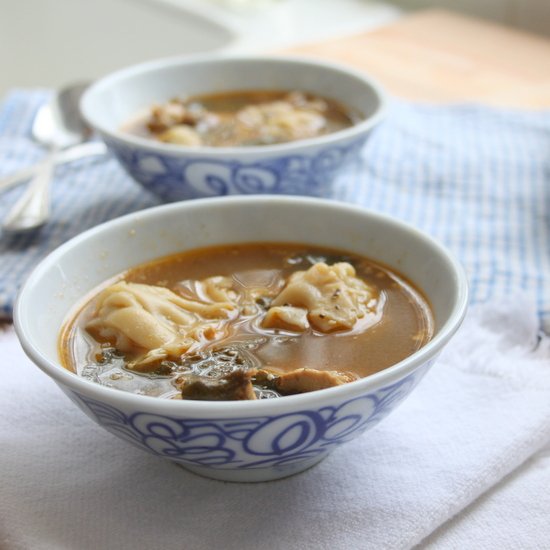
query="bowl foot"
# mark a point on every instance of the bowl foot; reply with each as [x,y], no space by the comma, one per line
[254,475]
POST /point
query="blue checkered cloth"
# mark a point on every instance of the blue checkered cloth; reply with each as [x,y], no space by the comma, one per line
[475,177]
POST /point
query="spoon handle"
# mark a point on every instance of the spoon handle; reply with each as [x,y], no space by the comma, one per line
[67,155]
[33,207]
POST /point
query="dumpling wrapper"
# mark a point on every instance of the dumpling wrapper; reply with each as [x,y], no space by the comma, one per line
[334,298]
[140,319]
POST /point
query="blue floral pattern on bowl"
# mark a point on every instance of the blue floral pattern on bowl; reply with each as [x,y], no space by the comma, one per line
[252,442]
[185,177]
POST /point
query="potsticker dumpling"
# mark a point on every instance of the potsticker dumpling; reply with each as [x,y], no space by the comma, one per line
[152,323]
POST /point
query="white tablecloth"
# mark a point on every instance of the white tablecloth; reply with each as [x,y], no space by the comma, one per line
[470,443]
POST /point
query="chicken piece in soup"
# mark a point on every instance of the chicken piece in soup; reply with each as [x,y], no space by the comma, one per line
[247,321]
[242,118]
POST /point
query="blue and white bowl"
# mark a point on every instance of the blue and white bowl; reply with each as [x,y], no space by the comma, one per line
[174,172]
[247,440]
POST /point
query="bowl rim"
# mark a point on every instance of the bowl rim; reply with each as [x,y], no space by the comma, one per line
[232,409]
[113,78]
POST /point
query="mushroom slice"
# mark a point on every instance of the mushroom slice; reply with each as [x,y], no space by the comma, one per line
[306,380]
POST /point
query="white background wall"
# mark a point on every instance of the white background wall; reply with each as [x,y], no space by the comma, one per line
[531,15]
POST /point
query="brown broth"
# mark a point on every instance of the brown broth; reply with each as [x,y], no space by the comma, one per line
[215,120]
[402,325]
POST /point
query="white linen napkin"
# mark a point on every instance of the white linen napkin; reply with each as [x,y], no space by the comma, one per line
[513,514]
[481,411]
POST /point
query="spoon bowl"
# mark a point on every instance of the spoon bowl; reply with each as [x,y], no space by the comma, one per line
[57,126]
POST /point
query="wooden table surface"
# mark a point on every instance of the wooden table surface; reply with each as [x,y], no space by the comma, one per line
[439,56]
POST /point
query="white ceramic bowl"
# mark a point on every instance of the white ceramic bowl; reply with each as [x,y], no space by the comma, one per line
[306,167]
[250,440]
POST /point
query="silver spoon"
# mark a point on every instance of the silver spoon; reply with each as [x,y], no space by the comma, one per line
[75,152]
[57,125]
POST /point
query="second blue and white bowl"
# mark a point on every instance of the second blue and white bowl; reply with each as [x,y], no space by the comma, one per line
[173,172]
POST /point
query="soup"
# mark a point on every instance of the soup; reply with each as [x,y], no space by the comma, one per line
[242,118]
[246,321]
